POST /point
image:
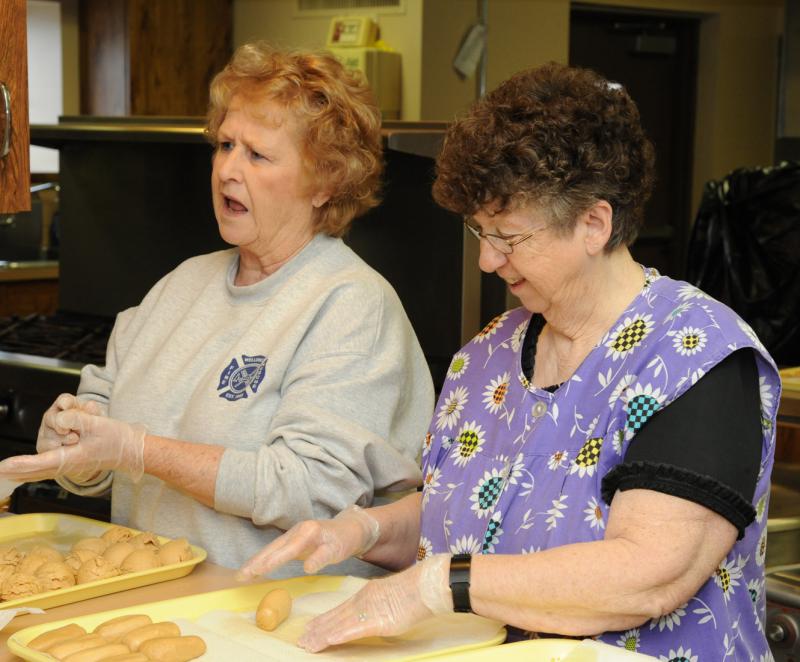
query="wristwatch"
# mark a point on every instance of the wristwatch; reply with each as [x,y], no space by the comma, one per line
[459,582]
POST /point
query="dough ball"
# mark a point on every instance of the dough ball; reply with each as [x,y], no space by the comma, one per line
[76,558]
[117,552]
[140,559]
[175,551]
[118,534]
[146,539]
[5,572]
[55,575]
[96,568]
[10,555]
[19,585]
[30,564]
[46,552]
[96,545]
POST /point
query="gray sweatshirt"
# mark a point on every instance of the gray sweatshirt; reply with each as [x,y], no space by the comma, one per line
[312,379]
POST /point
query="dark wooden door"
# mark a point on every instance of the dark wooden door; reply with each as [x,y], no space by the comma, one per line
[655,57]
[15,165]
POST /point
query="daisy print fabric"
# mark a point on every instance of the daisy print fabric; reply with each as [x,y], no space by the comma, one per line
[510,468]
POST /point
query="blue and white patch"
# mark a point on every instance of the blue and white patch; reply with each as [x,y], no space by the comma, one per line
[235,380]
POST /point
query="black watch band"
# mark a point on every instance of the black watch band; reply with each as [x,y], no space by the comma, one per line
[459,582]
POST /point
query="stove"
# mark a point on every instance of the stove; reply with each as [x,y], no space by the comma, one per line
[41,357]
[783,612]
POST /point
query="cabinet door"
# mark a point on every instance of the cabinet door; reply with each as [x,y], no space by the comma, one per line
[14,166]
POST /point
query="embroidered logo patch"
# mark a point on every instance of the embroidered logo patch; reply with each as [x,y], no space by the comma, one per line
[235,380]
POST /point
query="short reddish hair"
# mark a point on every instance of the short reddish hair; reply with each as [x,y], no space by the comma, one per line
[335,111]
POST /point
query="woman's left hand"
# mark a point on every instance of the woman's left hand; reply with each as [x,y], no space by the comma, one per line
[103,444]
[384,607]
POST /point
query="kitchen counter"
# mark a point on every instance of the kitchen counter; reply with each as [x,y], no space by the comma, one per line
[33,270]
[206,577]
[789,409]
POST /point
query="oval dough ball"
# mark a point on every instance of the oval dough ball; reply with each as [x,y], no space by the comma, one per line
[135,638]
[82,643]
[98,654]
[19,585]
[117,628]
[55,575]
[53,637]
[30,564]
[47,552]
[117,552]
[94,569]
[77,558]
[273,609]
[128,657]
[10,555]
[96,545]
[174,649]
[140,559]
[5,572]
[175,551]
[147,539]
[118,534]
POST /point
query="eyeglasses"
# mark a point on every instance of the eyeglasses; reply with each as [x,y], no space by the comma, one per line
[503,244]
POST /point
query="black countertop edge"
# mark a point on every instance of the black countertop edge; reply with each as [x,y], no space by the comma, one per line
[417,138]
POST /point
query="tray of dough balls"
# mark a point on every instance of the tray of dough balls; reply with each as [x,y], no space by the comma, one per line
[251,623]
[52,559]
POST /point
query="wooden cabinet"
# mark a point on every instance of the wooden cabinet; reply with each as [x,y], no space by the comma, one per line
[151,57]
[15,165]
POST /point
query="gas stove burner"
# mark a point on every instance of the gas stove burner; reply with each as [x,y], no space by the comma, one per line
[71,337]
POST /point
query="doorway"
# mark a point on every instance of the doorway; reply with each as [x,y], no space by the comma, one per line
[654,56]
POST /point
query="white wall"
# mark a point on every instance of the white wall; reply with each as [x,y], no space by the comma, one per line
[44,75]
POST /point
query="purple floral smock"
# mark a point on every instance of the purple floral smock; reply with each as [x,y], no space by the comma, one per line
[510,468]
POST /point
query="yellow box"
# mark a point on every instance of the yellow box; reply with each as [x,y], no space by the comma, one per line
[382,71]
[352,31]
[62,531]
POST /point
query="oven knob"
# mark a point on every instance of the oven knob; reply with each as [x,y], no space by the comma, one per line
[776,633]
[782,630]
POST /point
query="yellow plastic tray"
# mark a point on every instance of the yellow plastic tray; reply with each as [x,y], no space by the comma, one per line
[548,650]
[541,650]
[245,599]
[62,531]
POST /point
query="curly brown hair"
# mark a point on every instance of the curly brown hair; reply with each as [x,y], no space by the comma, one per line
[336,113]
[559,137]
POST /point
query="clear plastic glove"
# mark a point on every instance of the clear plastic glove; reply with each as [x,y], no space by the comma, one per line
[103,444]
[50,434]
[316,542]
[384,607]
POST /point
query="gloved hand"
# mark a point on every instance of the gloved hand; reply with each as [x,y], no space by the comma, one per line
[317,542]
[103,444]
[386,606]
[50,435]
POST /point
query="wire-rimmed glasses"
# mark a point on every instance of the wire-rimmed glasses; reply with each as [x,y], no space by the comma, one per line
[503,244]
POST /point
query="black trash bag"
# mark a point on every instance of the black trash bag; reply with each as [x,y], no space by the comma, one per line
[744,250]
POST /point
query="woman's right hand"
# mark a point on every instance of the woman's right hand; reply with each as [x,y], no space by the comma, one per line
[51,435]
[318,543]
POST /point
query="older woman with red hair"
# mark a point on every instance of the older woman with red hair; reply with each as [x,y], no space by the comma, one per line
[273,382]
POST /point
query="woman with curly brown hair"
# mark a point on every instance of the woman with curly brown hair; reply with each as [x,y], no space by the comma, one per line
[271,382]
[599,461]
